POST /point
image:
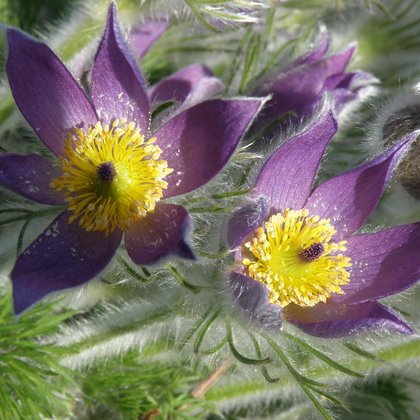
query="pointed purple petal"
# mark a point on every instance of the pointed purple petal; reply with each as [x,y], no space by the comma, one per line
[252,298]
[158,235]
[118,87]
[299,88]
[30,176]
[198,142]
[144,35]
[349,199]
[286,178]
[178,86]
[244,221]
[318,53]
[339,320]
[384,263]
[339,62]
[44,90]
[63,256]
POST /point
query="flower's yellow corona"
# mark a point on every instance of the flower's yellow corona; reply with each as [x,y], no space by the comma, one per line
[111,176]
[293,256]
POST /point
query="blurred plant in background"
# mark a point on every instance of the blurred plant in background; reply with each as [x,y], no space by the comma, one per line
[166,341]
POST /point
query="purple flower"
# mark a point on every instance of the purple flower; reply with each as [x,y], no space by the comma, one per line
[111,173]
[186,87]
[298,252]
[142,36]
[299,88]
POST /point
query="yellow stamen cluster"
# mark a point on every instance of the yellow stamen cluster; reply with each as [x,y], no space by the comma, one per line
[111,176]
[277,259]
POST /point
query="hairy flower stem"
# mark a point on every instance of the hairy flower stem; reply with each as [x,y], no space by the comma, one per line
[402,353]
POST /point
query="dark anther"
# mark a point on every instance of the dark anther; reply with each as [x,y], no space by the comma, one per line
[313,252]
[106,171]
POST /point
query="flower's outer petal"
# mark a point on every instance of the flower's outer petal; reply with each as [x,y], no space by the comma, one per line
[339,320]
[159,234]
[198,142]
[286,178]
[118,87]
[349,198]
[63,256]
[296,90]
[144,35]
[193,80]
[252,298]
[384,263]
[244,221]
[339,62]
[300,88]
[45,91]
[30,176]
[318,53]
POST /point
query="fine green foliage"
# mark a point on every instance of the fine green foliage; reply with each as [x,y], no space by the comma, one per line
[128,388]
[385,396]
[33,384]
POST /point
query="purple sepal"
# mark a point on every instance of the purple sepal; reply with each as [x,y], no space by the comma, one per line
[194,83]
[30,176]
[245,220]
[300,88]
[46,93]
[384,263]
[340,320]
[63,256]
[118,87]
[286,178]
[252,297]
[159,234]
[143,35]
[318,53]
[349,199]
[198,142]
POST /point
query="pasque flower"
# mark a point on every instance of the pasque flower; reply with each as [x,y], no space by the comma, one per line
[298,252]
[299,88]
[187,86]
[111,172]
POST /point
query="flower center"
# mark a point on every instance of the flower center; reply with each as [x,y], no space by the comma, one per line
[292,254]
[111,176]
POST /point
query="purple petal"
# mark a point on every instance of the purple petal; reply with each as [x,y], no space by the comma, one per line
[286,178]
[339,320]
[300,88]
[63,256]
[159,234]
[44,90]
[342,97]
[118,87]
[185,82]
[296,90]
[318,53]
[244,221]
[349,199]
[338,63]
[30,176]
[384,263]
[144,35]
[252,297]
[198,142]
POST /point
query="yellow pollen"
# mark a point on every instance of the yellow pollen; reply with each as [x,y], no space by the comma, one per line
[111,176]
[275,259]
